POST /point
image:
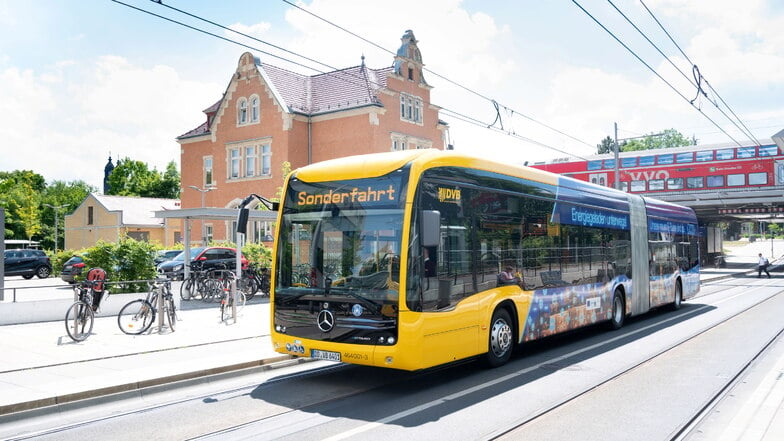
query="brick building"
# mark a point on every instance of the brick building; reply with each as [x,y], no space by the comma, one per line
[268,116]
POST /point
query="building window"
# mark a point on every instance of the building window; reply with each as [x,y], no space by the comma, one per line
[234,163]
[398,145]
[250,161]
[242,111]
[266,160]
[411,108]
[254,109]
[208,233]
[90,215]
[208,181]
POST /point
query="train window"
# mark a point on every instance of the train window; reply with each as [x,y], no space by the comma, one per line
[665,159]
[595,165]
[681,158]
[638,185]
[758,179]
[715,181]
[629,162]
[744,152]
[675,184]
[736,180]
[656,184]
[695,182]
[768,150]
[647,160]
[625,186]
[706,155]
[609,163]
[725,154]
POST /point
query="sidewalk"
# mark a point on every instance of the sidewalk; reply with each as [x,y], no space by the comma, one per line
[42,369]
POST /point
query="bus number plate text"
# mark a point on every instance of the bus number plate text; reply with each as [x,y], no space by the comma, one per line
[325,355]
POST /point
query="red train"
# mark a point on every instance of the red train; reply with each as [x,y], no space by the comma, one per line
[691,168]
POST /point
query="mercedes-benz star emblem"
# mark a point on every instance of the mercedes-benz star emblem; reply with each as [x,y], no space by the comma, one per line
[325,320]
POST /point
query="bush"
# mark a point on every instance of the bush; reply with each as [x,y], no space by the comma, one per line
[125,261]
[752,237]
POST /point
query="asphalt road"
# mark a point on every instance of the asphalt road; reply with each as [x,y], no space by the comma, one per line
[646,381]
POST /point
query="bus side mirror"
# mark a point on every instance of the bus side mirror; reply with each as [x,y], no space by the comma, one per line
[430,228]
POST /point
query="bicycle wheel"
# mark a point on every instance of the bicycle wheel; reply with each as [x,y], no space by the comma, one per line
[171,313]
[187,289]
[79,321]
[249,287]
[136,317]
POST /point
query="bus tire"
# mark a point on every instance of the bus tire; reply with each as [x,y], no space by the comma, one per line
[618,310]
[501,339]
[676,303]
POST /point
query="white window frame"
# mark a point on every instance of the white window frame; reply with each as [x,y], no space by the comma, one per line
[255,110]
[242,111]
[235,162]
[249,159]
[265,159]
[208,170]
[411,109]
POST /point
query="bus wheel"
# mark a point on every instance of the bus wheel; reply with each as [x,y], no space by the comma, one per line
[618,310]
[676,304]
[501,339]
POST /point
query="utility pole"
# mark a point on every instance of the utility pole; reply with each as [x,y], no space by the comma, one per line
[56,224]
[617,177]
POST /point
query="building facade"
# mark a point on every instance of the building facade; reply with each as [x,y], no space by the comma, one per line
[110,218]
[269,116]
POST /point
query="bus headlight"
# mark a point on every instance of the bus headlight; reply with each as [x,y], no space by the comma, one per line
[391,340]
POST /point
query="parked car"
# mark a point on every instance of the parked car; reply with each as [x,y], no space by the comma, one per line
[27,263]
[72,268]
[210,258]
[165,255]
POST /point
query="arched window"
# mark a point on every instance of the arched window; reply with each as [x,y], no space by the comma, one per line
[242,111]
[254,109]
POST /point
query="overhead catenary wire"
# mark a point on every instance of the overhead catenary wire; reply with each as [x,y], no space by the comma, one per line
[749,132]
[317,70]
[698,78]
[600,24]
[491,100]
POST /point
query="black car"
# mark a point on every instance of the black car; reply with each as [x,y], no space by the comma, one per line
[210,258]
[72,268]
[27,263]
[165,255]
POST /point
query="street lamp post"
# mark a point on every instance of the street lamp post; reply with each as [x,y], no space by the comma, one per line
[203,191]
[56,224]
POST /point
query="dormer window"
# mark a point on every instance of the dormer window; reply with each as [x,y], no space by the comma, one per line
[411,73]
[242,111]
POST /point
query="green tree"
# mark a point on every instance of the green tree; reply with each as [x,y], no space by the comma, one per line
[134,178]
[68,195]
[606,146]
[19,191]
[668,138]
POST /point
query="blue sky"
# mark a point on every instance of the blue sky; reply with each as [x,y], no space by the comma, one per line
[83,79]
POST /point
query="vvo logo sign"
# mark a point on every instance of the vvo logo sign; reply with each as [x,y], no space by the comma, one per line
[648,175]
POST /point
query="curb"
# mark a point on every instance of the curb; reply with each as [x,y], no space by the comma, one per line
[26,409]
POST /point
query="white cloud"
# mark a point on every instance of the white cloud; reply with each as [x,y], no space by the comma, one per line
[107,105]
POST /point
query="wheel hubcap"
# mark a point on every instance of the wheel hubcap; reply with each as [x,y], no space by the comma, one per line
[500,337]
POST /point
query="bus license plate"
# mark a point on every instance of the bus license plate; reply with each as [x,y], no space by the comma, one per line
[325,355]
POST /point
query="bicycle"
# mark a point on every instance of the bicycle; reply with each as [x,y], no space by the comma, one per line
[80,315]
[137,316]
[228,301]
[194,284]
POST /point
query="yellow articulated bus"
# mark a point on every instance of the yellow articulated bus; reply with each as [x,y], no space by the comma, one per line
[414,259]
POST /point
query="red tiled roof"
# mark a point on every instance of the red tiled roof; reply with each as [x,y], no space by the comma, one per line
[343,89]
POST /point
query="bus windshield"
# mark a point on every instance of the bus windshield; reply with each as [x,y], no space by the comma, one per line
[346,243]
